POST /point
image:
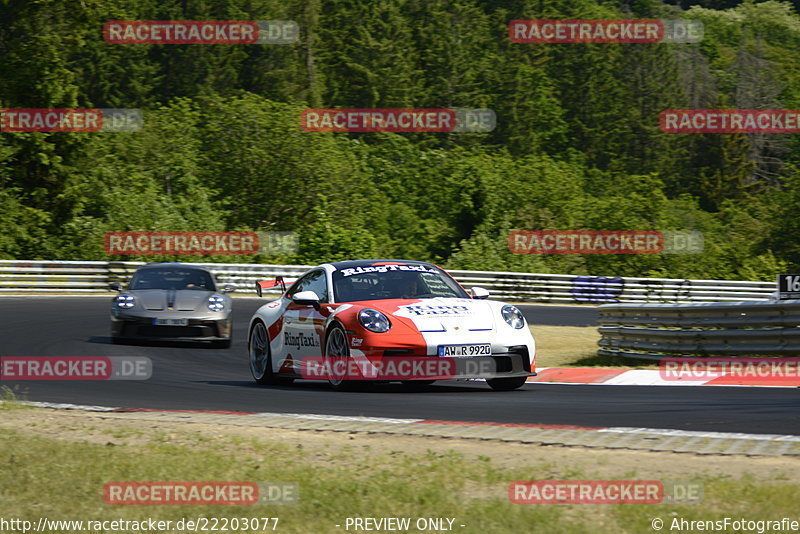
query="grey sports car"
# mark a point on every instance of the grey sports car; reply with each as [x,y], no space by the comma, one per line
[172,301]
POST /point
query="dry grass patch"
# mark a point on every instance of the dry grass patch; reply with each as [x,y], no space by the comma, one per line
[55,464]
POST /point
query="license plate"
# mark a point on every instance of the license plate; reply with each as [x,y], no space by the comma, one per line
[460,351]
[171,322]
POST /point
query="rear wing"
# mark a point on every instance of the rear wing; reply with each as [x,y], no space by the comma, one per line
[263,285]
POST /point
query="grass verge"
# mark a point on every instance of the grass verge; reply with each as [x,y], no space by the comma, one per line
[576,346]
[63,479]
[9,399]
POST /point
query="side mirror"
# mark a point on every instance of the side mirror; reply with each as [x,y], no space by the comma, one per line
[306,298]
[116,286]
[479,293]
[228,289]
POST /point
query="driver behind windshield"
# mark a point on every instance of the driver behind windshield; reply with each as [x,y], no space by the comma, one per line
[405,286]
[174,280]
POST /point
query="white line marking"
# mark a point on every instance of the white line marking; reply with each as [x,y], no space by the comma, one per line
[652,377]
[648,377]
[323,417]
[698,434]
[337,417]
[669,383]
[66,406]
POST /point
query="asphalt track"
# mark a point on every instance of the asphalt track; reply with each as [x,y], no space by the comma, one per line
[193,377]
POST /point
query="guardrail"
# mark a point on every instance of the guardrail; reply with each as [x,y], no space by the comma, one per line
[94,277]
[656,331]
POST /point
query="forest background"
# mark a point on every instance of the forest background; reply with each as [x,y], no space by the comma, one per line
[577,144]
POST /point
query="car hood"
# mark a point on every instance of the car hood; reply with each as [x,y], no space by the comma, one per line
[439,314]
[163,299]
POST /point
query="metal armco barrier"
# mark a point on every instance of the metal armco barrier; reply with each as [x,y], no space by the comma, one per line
[94,277]
[656,331]
[566,288]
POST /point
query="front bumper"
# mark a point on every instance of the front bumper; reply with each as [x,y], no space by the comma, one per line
[390,365]
[498,365]
[134,327]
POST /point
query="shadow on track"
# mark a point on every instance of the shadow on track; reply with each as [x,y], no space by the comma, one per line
[314,386]
[107,340]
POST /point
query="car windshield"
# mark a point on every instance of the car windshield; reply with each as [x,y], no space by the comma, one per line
[382,282]
[176,278]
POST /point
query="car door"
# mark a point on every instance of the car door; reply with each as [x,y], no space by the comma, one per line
[303,325]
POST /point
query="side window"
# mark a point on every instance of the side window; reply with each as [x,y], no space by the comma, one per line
[314,281]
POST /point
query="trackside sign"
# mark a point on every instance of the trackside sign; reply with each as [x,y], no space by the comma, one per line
[788,286]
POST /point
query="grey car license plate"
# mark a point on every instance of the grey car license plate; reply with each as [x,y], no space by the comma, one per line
[170,322]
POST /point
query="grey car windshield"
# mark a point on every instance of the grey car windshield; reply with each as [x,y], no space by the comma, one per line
[380,283]
[174,278]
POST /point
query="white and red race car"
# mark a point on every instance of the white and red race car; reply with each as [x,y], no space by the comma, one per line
[356,322]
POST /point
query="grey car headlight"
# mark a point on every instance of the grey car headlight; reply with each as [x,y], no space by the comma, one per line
[216,303]
[513,316]
[125,302]
[374,321]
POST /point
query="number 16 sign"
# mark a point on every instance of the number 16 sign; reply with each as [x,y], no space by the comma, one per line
[788,286]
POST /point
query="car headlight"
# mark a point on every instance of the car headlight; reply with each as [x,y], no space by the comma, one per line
[125,302]
[374,321]
[513,316]
[216,303]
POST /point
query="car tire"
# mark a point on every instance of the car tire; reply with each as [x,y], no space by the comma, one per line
[337,348]
[507,384]
[260,357]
